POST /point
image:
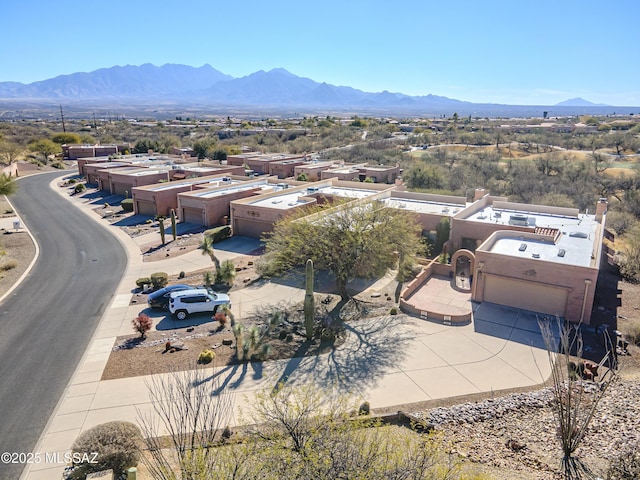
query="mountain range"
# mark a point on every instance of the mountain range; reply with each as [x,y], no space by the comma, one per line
[205,86]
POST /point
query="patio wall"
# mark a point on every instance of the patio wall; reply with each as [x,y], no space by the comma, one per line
[434,268]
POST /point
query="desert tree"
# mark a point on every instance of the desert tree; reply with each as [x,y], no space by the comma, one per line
[353,239]
[190,413]
[9,152]
[207,249]
[307,432]
[62,138]
[629,260]
[575,400]
[45,147]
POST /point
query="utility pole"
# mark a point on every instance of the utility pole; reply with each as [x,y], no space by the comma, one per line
[95,125]
[62,115]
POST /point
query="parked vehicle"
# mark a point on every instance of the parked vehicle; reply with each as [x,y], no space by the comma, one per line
[186,302]
[160,298]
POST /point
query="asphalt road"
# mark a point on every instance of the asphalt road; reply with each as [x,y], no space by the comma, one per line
[47,322]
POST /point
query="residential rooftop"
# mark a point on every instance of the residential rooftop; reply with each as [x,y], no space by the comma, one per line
[288,199]
[424,206]
[564,241]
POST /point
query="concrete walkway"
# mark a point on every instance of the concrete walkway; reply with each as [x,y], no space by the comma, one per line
[387,362]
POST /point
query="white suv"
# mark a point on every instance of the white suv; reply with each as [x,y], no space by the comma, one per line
[186,302]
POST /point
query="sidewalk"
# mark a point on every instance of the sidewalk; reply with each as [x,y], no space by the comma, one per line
[388,362]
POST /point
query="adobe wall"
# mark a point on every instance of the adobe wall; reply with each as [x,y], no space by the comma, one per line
[570,277]
[165,200]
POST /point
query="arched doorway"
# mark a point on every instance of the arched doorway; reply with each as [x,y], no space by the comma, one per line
[462,263]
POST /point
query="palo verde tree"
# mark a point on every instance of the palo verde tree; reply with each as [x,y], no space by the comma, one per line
[46,148]
[354,239]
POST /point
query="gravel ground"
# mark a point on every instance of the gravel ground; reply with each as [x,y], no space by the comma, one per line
[16,246]
[513,437]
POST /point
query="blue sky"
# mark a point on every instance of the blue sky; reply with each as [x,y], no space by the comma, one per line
[511,51]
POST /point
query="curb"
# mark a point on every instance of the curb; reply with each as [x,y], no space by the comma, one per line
[33,262]
[53,185]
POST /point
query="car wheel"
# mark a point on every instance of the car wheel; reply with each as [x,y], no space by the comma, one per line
[181,314]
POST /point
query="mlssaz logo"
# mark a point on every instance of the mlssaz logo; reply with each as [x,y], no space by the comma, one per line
[530,273]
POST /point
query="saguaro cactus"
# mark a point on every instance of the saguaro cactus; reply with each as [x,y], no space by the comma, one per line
[174,228]
[161,224]
[309,304]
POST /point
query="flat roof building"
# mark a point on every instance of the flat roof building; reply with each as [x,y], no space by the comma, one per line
[161,198]
[254,217]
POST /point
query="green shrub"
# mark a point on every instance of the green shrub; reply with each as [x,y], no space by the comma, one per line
[71,181]
[127,204]
[79,188]
[58,165]
[8,265]
[206,357]
[148,221]
[142,282]
[393,311]
[159,280]
[219,233]
[117,445]
[226,273]
[181,274]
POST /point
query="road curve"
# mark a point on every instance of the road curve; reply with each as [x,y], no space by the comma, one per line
[47,322]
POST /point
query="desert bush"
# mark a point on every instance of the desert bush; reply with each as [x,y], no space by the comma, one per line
[226,273]
[117,445]
[631,331]
[142,282]
[206,357]
[364,409]
[142,324]
[218,234]
[8,265]
[393,311]
[181,274]
[127,204]
[79,188]
[71,181]
[159,280]
[59,165]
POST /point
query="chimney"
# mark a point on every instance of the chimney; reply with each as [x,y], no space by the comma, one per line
[479,193]
[601,209]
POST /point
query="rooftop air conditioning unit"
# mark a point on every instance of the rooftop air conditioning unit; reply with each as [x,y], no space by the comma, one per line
[283,185]
[313,190]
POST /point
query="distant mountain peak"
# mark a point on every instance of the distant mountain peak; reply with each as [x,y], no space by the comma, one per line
[281,70]
[579,102]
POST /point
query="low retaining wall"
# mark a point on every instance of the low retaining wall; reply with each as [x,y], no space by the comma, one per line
[433,268]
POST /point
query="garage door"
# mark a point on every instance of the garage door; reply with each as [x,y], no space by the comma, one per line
[526,295]
[251,228]
[146,207]
[121,189]
[192,215]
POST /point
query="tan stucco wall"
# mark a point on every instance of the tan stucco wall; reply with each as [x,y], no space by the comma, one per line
[533,270]
[215,208]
